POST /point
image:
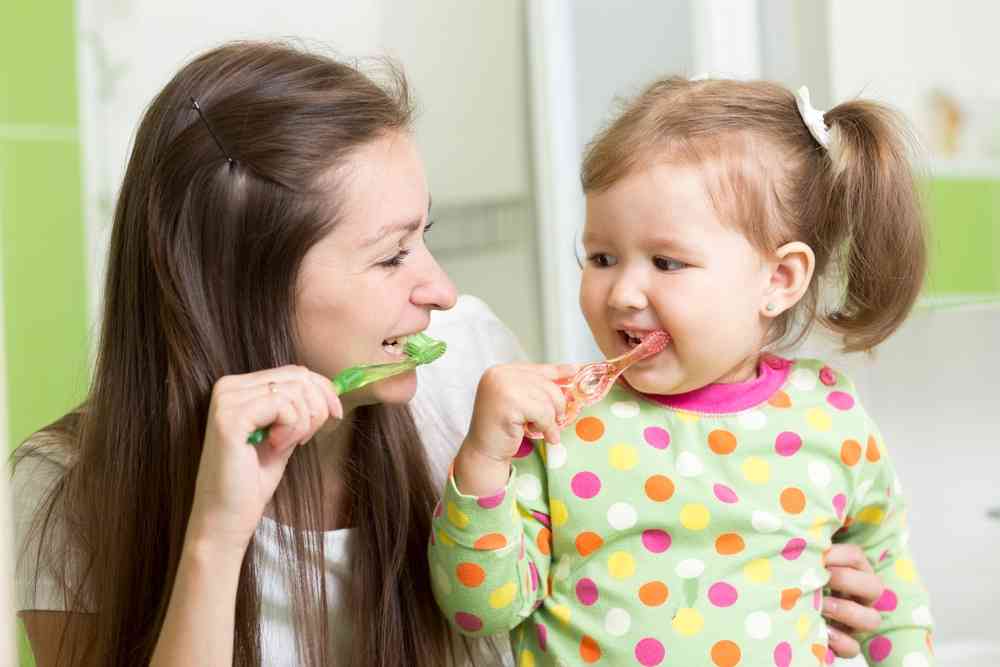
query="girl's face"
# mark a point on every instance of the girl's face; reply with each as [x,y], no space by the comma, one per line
[658,257]
[371,281]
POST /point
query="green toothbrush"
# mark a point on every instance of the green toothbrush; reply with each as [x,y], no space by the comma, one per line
[420,349]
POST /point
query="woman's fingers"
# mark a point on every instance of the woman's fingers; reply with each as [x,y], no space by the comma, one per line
[852,615]
[849,582]
[841,643]
[848,555]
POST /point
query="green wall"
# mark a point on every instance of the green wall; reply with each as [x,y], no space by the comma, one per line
[42,239]
[965,236]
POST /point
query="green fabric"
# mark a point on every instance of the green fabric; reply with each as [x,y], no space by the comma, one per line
[702,537]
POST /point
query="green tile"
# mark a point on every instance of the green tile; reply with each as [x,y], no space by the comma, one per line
[38,48]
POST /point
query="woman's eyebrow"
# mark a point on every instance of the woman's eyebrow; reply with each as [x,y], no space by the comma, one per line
[408,226]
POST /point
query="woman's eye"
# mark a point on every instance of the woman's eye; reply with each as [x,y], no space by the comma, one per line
[602,259]
[427,227]
[668,264]
[396,259]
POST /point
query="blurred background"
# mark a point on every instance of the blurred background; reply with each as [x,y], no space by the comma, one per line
[509,93]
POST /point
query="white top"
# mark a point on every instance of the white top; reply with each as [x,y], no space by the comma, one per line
[441,408]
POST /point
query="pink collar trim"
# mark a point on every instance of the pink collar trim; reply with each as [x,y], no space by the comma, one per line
[725,398]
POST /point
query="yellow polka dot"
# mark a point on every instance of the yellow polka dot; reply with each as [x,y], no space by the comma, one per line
[819,419]
[872,515]
[758,571]
[802,626]
[527,659]
[621,565]
[561,612]
[560,515]
[695,516]
[456,516]
[688,622]
[623,457]
[688,417]
[444,539]
[503,596]
[905,570]
[818,525]
[756,471]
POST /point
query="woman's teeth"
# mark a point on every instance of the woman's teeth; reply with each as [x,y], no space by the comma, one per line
[394,346]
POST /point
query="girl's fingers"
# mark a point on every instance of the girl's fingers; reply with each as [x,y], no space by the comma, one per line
[844,645]
[856,617]
[849,582]
[848,555]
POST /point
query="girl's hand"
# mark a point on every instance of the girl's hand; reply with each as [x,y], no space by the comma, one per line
[236,480]
[855,588]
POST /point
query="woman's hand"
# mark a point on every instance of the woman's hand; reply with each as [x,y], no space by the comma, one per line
[855,588]
[509,398]
[236,480]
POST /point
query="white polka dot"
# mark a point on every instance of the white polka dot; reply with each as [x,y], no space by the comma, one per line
[754,420]
[820,474]
[528,487]
[897,486]
[621,516]
[563,567]
[690,568]
[922,616]
[904,538]
[555,456]
[765,522]
[758,625]
[625,409]
[688,465]
[822,633]
[915,660]
[803,379]
[863,489]
[812,580]
[617,622]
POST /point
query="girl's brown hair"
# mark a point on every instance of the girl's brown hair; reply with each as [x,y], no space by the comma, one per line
[201,282]
[855,205]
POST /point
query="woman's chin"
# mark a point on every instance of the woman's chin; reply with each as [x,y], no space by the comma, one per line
[396,390]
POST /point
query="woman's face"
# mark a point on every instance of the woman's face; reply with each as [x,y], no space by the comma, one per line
[371,281]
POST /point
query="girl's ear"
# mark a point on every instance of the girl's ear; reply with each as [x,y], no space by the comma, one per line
[792,267]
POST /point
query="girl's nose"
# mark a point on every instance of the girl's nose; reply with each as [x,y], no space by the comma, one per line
[435,290]
[627,294]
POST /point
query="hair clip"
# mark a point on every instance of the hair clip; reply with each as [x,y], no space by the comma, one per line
[812,117]
[197,107]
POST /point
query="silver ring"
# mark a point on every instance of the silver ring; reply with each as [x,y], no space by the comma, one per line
[272,387]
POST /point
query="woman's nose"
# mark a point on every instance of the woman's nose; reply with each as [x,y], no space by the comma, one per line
[435,290]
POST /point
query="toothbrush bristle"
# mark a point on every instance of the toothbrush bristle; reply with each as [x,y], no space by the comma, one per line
[423,349]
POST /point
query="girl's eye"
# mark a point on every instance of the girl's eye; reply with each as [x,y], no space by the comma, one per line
[602,260]
[396,259]
[668,264]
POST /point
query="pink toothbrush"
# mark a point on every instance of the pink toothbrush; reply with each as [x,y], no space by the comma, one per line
[593,382]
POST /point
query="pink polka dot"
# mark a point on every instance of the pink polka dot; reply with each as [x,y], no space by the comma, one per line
[840,504]
[883,555]
[880,648]
[787,443]
[827,376]
[586,591]
[794,548]
[543,636]
[817,599]
[888,601]
[656,437]
[649,652]
[655,540]
[533,572]
[783,655]
[438,510]
[725,494]
[722,594]
[542,518]
[840,400]
[525,449]
[489,502]
[468,622]
[585,485]
[830,656]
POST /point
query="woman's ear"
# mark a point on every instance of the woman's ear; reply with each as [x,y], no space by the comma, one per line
[791,270]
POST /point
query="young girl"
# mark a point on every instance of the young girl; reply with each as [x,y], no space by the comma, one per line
[685,519]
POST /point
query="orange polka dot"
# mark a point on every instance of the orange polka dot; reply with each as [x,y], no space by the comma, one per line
[726,654]
[470,574]
[722,442]
[793,500]
[872,453]
[588,542]
[654,593]
[490,542]
[819,651]
[659,488]
[729,544]
[850,452]
[779,399]
[544,541]
[789,597]
[589,650]
[590,429]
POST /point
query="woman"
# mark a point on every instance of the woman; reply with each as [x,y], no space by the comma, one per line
[269,233]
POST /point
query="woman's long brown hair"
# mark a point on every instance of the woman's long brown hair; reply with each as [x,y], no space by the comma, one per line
[202,271]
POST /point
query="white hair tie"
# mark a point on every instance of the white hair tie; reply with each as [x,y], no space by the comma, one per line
[813,118]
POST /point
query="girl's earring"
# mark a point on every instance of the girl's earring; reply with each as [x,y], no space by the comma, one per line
[769,307]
